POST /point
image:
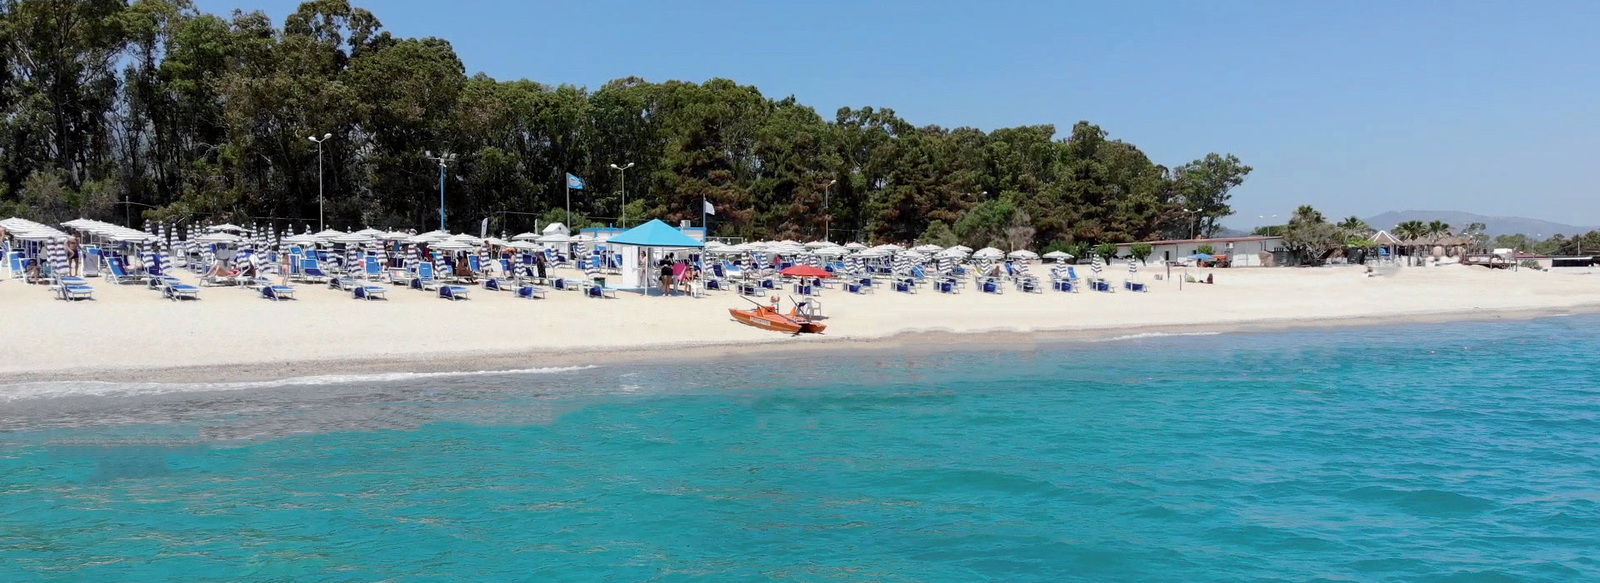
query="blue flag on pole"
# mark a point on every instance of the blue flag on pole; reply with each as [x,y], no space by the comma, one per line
[574,181]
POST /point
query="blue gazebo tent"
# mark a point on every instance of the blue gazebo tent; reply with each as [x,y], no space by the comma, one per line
[642,247]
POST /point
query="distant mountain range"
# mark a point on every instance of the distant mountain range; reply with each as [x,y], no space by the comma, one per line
[1496,225]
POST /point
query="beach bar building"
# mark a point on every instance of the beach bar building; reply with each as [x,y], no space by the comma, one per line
[643,247]
[1238,251]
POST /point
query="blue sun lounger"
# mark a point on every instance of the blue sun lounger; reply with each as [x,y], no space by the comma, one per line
[369,292]
[276,293]
[529,292]
[595,290]
[454,292]
[174,289]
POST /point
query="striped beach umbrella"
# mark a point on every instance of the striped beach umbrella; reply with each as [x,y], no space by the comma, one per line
[1133,268]
[1097,265]
[56,252]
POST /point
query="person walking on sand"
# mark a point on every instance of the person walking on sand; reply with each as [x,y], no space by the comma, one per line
[666,277]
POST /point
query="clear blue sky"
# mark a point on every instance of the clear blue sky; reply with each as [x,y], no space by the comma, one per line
[1355,107]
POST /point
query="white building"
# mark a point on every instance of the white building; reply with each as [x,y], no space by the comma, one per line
[1241,251]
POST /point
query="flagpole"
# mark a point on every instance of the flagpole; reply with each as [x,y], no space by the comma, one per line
[569,200]
[703,224]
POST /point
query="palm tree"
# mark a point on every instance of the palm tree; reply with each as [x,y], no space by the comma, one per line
[1410,230]
[1438,230]
[1355,227]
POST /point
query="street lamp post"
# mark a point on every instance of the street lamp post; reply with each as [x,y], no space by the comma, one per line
[827,211]
[622,173]
[320,206]
[444,159]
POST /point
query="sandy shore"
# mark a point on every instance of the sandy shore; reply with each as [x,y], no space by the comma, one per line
[130,333]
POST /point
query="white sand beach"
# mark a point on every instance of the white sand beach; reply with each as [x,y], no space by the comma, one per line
[129,332]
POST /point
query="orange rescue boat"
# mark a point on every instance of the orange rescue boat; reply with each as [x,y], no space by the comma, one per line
[769,318]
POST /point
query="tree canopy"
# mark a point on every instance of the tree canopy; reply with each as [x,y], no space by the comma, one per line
[154,110]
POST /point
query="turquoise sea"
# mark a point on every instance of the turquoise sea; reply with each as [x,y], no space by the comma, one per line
[1452,453]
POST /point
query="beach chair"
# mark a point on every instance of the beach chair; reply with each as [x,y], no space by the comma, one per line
[374,268]
[454,292]
[117,274]
[311,271]
[174,289]
[276,292]
[811,308]
[424,280]
[342,283]
[497,284]
[905,285]
[91,262]
[18,266]
[1101,285]
[1064,285]
[72,289]
[370,292]
[1028,284]
[805,289]
[529,292]
[563,284]
[750,289]
[947,286]
[1135,286]
[594,290]
[716,284]
[991,285]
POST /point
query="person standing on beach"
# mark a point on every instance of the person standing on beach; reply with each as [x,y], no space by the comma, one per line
[74,262]
[538,263]
[666,277]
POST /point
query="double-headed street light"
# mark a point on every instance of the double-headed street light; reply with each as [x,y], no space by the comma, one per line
[444,159]
[622,172]
[320,214]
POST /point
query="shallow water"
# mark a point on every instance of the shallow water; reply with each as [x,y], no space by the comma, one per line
[1458,452]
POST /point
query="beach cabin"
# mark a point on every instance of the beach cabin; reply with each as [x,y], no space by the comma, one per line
[643,247]
[1238,251]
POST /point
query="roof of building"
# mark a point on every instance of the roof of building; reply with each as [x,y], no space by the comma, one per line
[1252,238]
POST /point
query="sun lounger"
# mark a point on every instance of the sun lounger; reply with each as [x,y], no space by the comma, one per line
[342,283]
[277,293]
[173,288]
[947,286]
[73,292]
[594,290]
[1064,285]
[117,274]
[905,286]
[424,279]
[497,284]
[311,271]
[369,292]
[1101,285]
[1028,284]
[529,292]
[750,289]
[991,285]
[1135,286]
[454,292]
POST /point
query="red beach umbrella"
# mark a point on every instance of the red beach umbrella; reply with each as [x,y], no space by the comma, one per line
[806,271]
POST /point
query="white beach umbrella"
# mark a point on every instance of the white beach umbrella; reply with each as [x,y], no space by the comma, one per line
[350,239]
[890,247]
[219,237]
[1058,255]
[524,245]
[371,232]
[328,234]
[988,254]
[963,248]
[525,237]
[954,253]
[452,245]
[395,236]
[225,228]
[1023,254]
[854,246]
[820,244]
[832,252]
[929,248]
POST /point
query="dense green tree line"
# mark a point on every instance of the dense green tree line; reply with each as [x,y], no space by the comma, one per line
[151,109]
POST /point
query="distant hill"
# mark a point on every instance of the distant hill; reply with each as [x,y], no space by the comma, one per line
[1496,225]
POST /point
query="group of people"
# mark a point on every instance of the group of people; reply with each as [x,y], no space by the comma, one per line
[678,276]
